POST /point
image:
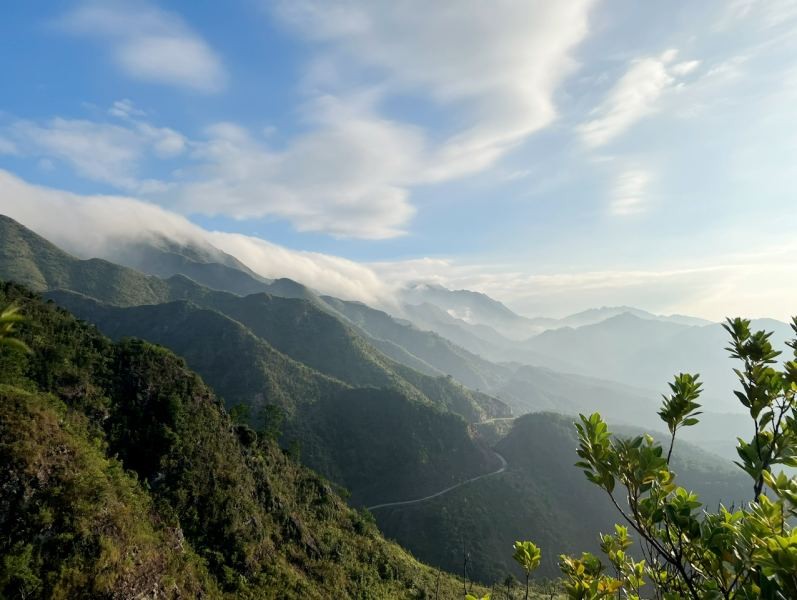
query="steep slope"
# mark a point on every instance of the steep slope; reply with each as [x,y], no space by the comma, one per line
[320,340]
[353,436]
[469,369]
[541,496]
[204,264]
[73,522]
[33,261]
[212,509]
[304,329]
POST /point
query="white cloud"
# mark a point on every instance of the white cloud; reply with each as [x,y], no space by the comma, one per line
[125,109]
[352,170]
[149,44]
[628,193]
[345,179]
[328,274]
[634,96]
[351,173]
[96,226]
[496,65]
[100,152]
[104,152]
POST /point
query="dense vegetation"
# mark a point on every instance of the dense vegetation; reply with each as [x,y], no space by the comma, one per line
[435,445]
[122,475]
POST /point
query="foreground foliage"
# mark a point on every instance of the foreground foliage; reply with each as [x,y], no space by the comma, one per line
[688,550]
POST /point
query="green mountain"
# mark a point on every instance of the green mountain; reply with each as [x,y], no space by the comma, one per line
[29,259]
[203,263]
[122,476]
[541,496]
[358,437]
[352,342]
[299,325]
[435,351]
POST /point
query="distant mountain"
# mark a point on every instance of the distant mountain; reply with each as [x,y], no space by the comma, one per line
[473,319]
[122,477]
[541,496]
[436,351]
[646,352]
[481,340]
[596,315]
[473,308]
[524,388]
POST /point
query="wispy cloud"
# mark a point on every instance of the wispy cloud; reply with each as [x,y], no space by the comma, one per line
[493,67]
[346,180]
[634,97]
[765,13]
[352,171]
[149,44]
[628,192]
[106,152]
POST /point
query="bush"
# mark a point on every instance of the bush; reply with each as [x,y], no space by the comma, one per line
[689,551]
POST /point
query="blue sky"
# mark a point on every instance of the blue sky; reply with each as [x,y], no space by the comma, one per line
[554,155]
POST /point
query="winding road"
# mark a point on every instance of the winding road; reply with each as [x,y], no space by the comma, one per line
[445,491]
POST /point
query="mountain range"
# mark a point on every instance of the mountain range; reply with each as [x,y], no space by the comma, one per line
[393,407]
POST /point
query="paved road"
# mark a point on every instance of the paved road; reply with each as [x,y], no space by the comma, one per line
[445,491]
[494,419]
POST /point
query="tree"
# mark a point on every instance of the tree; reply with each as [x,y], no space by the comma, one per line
[272,417]
[9,318]
[749,552]
[528,556]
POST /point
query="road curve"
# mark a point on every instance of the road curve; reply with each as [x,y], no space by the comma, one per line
[445,491]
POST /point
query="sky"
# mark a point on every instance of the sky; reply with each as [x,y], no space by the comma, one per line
[554,155]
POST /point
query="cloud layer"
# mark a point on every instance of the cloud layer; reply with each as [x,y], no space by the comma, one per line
[634,96]
[739,284]
[149,44]
[489,72]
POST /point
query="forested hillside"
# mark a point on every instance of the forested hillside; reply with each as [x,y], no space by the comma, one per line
[123,476]
[541,496]
[434,445]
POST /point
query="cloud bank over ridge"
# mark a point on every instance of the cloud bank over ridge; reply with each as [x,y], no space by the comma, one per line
[92,226]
